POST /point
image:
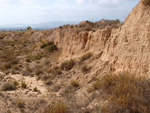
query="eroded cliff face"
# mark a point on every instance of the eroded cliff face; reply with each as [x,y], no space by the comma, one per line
[124,49]
[113,49]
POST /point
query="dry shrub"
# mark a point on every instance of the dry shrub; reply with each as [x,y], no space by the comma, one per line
[55,71]
[20,103]
[85,69]
[67,65]
[74,83]
[38,72]
[88,28]
[23,85]
[146,2]
[86,56]
[8,86]
[56,108]
[127,91]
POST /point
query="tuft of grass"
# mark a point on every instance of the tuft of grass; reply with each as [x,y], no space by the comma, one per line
[52,48]
[20,103]
[74,83]
[35,89]
[38,57]
[55,71]
[85,69]
[8,86]
[86,56]
[23,85]
[57,108]
[48,82]
[15,83]
[146,2]
[67,65]
[47,44]
[126,91]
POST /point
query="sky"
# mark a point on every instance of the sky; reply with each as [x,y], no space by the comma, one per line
[39,11]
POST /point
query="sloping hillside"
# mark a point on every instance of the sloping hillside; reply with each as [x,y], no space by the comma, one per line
[85,68]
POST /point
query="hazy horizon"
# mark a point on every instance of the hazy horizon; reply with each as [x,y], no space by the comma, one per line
[38,11]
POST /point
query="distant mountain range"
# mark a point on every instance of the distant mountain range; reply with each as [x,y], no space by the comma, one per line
[40,26]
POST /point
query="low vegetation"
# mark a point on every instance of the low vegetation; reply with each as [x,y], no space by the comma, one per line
[126,91]
[23,85]
[20,103]
[57,108]
[85,69]
[35,89]
[74,83]
[67,65]
[50,46]
[86,56]
[55,71]
[8,86]
[146,2]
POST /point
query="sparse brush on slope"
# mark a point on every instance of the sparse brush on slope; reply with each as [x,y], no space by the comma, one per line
[146,2]
[126,91]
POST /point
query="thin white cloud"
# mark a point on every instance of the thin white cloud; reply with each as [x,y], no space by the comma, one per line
[36,11]
[98,1]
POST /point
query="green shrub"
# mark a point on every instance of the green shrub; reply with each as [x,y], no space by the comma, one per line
[47,44]
[8,86]
[52,48]
[23,85]
[29,28]
[38,57]
[146,2]
[35,89]
[15,83]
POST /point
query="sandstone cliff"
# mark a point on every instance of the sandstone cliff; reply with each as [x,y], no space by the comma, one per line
[124,49]
[74,73]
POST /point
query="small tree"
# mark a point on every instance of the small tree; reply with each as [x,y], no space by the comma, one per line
[29,28]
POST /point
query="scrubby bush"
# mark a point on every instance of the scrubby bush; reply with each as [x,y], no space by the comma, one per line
[8,86]
[48,82]
[126,91]
[52,48]
[50,45]
[29,28]
[67,65]
[146,2]
[55,71]
[88,28]
[86,56]
[38,72]
[20,103]
[23,85]
[35,89]
[85,69]
[74,83]
[56,108]
[47,44]
[15,83]
[38,57]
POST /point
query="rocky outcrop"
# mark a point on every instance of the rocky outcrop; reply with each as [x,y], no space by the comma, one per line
[124,49]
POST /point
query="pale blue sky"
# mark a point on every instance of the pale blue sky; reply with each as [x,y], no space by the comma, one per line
[38,11]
